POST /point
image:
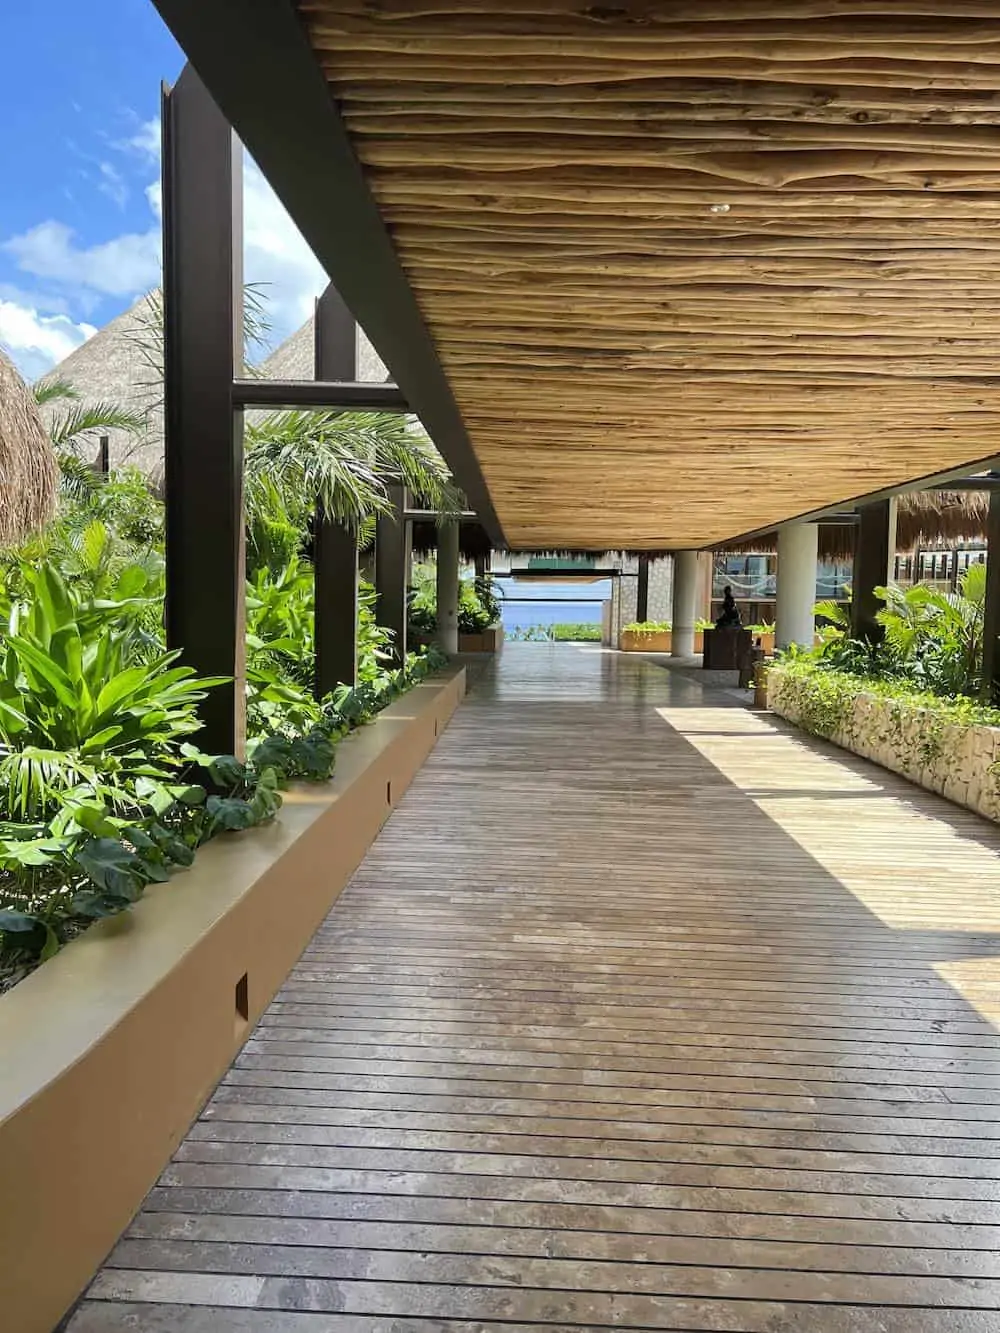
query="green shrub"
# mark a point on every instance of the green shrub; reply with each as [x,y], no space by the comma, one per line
[823,697]
[644,628]
[77,700]
[478,606]
[575,633]
[931,639]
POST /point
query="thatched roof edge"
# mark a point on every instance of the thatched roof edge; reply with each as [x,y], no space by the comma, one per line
[29,473]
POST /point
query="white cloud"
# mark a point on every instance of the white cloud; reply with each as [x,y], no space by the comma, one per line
[145,141]
[276,258]
[112,183]
[37,342]
[125,266]
[46,302]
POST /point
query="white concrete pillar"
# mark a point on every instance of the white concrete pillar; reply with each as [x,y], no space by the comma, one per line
[447,587]
[798,549]
[685,603]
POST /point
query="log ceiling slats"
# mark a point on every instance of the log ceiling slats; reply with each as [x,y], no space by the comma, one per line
[691,267]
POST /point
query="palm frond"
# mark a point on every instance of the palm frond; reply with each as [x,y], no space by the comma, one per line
[78,480]
[973,584]
[256,325]
[78,424]
[409,455]
[310,459]
[54,390]
[837,613]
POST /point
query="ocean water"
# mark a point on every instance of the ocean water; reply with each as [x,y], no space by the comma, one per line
[526,605]
[536,612]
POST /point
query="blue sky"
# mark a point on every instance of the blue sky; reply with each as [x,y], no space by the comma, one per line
[79,162]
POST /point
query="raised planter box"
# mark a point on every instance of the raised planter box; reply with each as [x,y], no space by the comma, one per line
[954,759]
[110,1048]
[490,641]
[634,641]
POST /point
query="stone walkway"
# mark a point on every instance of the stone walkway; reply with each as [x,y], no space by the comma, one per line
[644,1012]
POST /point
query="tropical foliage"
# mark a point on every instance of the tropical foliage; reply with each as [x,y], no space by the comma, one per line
[103,788]
[644,628]
[478,605]
[557,633]
[932,640]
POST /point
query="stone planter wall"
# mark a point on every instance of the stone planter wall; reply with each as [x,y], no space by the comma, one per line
[957,760]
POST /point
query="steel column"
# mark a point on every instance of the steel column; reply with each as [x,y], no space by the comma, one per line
[873,557]
[447,578]
[203,436]
[991,616]
[642,590]
[335,546]
[392,563]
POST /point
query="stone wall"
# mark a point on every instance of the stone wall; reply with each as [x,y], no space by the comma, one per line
[661,589]
[958,760]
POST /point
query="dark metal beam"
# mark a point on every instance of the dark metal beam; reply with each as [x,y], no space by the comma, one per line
[256,58]
[873,559]
[432,516]
[335,546]
[990,482]
[927,482]
[547,575]
[991,609]
[202,346]
[392,563]
[325,393]
[642,590]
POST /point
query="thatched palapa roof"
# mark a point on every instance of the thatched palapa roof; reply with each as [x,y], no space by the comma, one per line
[295,357]
[119,365]
[941,518]
[29,474]
[924,519]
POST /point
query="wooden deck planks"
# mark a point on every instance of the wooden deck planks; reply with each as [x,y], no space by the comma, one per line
[643,1012]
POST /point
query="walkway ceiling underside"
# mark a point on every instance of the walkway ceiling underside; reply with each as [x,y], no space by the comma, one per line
[691,268]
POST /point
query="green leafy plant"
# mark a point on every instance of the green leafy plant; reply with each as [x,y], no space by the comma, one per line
[473,616]
[575,633]
[646,628]
[931,639]
[73,678]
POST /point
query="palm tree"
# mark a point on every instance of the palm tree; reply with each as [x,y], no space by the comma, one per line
[77,423]
[296,460]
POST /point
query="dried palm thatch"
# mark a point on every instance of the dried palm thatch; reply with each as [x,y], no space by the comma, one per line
[836,542]
[924,519]
[660,244]
[940,518]
[29,474]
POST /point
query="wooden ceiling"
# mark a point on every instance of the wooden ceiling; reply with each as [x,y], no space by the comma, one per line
[694,267]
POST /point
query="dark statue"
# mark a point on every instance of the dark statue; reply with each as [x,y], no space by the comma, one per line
[730,617]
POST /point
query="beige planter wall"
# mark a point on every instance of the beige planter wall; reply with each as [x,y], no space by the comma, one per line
[955,760]
[629,641]
[490,641]
[110,1048]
